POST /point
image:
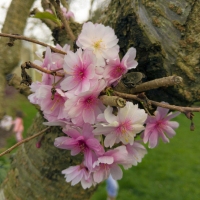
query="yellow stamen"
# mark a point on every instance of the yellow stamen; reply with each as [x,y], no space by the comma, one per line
[97,44]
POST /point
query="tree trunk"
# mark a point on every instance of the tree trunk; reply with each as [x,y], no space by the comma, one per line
[15,22]
[166,36]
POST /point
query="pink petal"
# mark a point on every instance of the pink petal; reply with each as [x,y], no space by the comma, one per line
[88,116]
[106,159]
[116,172]
[169,131]
[109,116]
[170,116]
[153,139]
[172,124]
[68,83]
[129,59]
[71,169]
[98,176]
[110,140]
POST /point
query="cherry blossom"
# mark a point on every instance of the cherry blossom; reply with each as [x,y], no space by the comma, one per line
[88,125]
[80,141]
[123,127]
[80,69]
[52,107]
[136,152]
[159,125]
[115,69]
[101,40]
[85,107]
[79,173]
[67,14]
[109,164]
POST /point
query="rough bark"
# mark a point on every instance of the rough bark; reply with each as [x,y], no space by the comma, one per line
[166,36]
[15,22]
[36,173]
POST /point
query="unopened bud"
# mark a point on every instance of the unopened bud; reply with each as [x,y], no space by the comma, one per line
[38,144]
[192,127]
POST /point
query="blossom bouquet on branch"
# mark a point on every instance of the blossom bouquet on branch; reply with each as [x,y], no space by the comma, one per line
[89,90]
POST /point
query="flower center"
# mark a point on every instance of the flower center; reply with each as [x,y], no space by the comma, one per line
[98,45]
[117,71]
[79,73]
[89,100]
[82,146]
[159,124]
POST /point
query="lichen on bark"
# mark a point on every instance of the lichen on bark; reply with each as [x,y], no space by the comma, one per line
[166,36]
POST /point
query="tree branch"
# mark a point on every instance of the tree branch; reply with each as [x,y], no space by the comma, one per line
[23,141]
[113,101]
[149,85]
[155,103]
[68,30]
[32,65]
[20,37]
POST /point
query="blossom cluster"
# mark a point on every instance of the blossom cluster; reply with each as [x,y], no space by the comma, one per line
[106,140]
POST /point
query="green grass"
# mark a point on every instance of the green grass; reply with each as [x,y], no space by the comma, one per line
[169,172]
[16,102]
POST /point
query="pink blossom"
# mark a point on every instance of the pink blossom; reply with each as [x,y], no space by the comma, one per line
[51,61]
[80,69]
[53,109]
[85,107]
[136,152]
[100,39]
[115,69]
[35,97]
[123,127]
[79,173]
[159,125]
[80,141]
[108,164]
[67,14]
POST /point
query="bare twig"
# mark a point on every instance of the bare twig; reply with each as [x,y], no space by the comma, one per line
[113,101]
[65,4]
[20,37]
[23,141]
[68,30]
[160,82]
[53,72]
[155,103]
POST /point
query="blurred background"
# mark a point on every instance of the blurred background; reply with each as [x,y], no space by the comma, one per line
[170,171]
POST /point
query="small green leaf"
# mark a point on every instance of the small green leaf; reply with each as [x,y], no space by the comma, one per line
[47,15]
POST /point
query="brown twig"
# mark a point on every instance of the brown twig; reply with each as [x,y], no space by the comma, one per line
[53,72]
[149,85]
[113,101]
[68,30]
[20,37]
[23,141]
[65,4]
[155,103]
